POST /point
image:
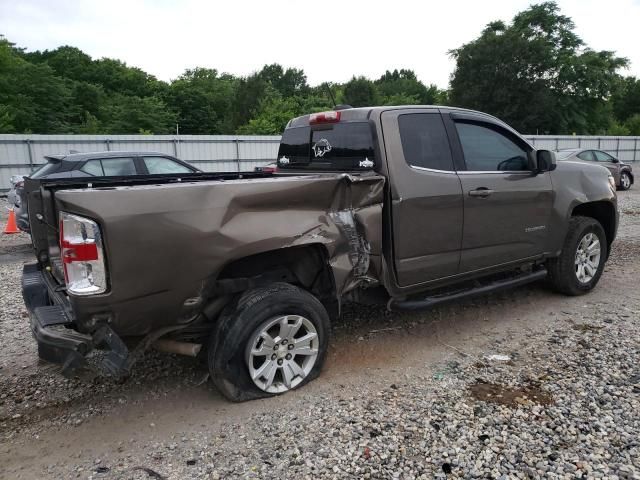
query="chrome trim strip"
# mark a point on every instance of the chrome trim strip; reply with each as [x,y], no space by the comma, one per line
[491,172]
[424,169]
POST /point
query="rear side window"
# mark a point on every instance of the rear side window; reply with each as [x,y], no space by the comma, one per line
[486,150]
[93,167]
[340,146]
[46,169]
[587,155]
[118,167]
[424,141]
[158,165]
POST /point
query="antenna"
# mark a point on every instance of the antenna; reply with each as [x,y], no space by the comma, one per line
[333,100]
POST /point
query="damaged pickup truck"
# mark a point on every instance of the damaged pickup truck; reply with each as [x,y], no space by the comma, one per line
[404,206]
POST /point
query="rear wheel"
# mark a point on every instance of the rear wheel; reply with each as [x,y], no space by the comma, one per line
[580,264]
[625,181]
[274,339]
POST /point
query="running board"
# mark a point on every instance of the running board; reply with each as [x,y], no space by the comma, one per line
[428,302]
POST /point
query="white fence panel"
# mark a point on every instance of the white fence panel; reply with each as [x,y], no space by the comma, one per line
[20,154]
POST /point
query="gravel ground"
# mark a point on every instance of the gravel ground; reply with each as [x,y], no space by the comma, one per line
[403,396]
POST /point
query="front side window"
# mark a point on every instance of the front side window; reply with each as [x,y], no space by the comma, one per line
[159,165]
[424,141]
[602,157]
[487,150]
[118,167]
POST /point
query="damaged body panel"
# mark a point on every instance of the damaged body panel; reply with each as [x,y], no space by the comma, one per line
[193,230]
[403,206]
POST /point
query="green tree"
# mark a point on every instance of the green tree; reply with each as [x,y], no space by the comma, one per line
[33,98]
[131,114]
[275,111]
[203,101]
[536,74]
[360,92]
[402,87]
[626,98]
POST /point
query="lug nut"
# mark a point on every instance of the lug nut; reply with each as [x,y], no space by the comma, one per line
[284,342]
[290,347]
[273,357]
[275,347]
[288,357]
[280,362]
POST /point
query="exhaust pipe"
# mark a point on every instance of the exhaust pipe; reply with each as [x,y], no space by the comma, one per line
[181,348]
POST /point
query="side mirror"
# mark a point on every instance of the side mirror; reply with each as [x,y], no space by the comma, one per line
[546,161]
[615,160]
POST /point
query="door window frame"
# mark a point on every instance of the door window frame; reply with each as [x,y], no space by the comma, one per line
[459,161]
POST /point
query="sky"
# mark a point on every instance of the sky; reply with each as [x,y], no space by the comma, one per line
[331,40]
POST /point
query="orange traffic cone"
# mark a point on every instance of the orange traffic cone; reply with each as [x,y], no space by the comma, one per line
[11,223]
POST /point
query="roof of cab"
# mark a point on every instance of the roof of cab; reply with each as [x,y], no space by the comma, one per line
[364,113]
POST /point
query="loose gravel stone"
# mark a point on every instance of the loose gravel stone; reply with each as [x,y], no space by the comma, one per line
[566,404]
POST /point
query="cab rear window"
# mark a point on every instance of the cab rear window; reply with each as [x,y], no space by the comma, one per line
[340,146]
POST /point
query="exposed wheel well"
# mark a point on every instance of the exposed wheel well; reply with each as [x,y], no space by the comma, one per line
[604,213]
[306,266]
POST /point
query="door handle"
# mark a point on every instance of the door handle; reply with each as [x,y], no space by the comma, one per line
[480,192]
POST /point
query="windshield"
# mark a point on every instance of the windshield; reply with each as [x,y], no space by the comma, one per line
[339,146]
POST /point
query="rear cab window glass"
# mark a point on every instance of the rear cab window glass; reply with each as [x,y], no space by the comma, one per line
[339,146]
[488,150]
[424,141]
[158,165]
[118,167]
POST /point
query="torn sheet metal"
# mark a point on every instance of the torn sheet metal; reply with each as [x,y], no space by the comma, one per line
[164,241]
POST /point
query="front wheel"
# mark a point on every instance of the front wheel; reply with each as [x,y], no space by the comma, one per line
[274,339]
[625,181]
[580,264]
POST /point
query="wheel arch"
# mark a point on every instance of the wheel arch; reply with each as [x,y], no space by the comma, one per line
[306,266]
[604,212]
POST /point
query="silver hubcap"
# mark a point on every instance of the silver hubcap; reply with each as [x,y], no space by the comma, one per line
[626,181]
[282,352]
[587,257]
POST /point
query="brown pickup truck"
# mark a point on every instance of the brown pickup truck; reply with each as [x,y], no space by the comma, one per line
[405,206]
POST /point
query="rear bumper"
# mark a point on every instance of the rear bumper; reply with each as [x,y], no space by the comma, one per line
[58,342]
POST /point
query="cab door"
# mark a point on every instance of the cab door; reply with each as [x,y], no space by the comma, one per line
[426,196]
[507,205]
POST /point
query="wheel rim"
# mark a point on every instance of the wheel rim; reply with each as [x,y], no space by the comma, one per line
[625,180]
[587,257]
[282,352]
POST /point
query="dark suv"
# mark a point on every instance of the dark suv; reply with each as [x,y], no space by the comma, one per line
[98,164]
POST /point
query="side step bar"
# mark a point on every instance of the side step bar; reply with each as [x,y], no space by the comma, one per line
[428,302]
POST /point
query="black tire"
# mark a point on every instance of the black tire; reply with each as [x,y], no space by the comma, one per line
[622,181]
[562,269]
[238,322]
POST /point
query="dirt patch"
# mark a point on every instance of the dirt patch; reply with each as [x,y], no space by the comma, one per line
[510,396]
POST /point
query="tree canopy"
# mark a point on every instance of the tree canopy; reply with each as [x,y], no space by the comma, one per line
[535,73]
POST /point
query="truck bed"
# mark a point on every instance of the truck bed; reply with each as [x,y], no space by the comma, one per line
[167,238]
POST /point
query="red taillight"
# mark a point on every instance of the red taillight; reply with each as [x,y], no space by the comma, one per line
[324,117]
[269,169]
[79,252]
[82,255]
